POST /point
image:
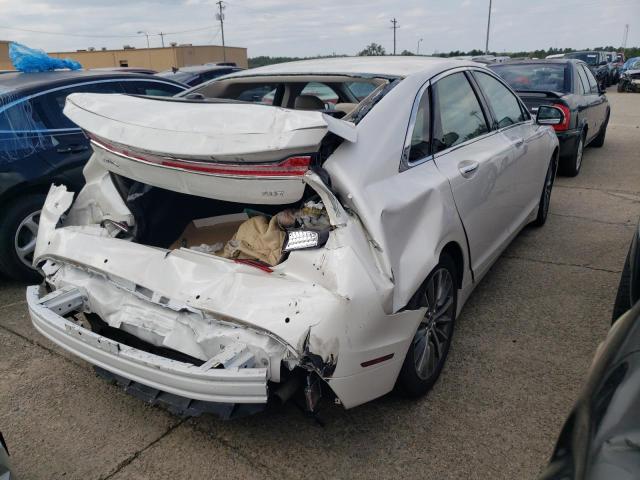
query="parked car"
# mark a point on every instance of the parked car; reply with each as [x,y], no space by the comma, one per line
[196,75]
[5,464]
[39,145]
[569,85]
[599,440]
[232,252]
[612,63]
[629,287]
[597,62]
[630,79]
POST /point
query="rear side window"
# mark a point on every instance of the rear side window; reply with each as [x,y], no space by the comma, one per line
[504,104]
[583,82]
[593,84]
[457,113]
[156,89]
[420,140]
[53,102]
[361,90]
[535,76]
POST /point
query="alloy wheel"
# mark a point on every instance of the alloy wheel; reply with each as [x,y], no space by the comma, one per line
[25,238]
[432,339]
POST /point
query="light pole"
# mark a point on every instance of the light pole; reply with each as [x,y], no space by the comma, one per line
[148,51]
[146,35]
[418,49]
[486,45]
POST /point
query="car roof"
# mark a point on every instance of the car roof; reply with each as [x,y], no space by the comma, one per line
[20,81]
[201,68]
[384,66]
[557,61]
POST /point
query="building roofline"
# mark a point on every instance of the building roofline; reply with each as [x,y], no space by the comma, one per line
[141,49]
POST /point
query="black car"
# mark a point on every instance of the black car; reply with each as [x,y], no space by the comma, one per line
[598,64]
[569,85]
[600,439]
[193,76]
[40,146]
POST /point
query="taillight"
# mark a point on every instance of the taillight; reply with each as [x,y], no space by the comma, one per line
[292,166]
[561,127]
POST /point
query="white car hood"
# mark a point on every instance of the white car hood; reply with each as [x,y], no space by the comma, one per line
[199,129]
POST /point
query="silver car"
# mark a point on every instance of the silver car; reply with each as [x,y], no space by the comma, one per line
[252,240]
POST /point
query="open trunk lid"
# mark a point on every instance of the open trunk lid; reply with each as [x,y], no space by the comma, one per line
[228,151]
[534,99]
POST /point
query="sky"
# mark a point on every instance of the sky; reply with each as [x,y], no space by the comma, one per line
[322,27]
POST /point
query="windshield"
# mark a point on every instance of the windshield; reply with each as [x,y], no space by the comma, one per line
[590,58]
[535,76]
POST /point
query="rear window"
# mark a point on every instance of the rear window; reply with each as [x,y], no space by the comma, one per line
[535,76]
[590,58]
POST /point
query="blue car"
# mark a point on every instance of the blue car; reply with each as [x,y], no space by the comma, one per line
[40,146]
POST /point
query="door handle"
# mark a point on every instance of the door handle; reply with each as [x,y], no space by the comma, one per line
[468,167]
[519,142]
[72,149]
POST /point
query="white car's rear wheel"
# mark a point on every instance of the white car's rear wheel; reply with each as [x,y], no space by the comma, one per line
[430,345]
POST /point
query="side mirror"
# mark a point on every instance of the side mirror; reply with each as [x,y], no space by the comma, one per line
[548,115]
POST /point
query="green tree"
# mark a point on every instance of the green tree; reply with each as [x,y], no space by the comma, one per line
[406,52]
[373,49]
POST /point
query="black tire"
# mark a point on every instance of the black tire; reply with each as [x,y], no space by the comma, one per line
[623,296]
[599,140]
[570,166]
[621,87]
[545,196]
[14,214]
[410,381]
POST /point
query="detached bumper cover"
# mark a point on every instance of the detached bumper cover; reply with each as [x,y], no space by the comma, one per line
[234,385]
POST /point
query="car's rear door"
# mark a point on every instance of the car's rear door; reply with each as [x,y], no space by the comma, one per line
[597,106]
[529,158]
[478,163]
[70,148]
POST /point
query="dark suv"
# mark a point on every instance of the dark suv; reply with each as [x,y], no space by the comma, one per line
[569,85]
[40,146]
[598,64]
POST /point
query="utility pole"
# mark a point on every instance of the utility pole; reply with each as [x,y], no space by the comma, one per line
[395,27]
[162,38]
[418,49]
[486,45]
[625,36]
[220,16]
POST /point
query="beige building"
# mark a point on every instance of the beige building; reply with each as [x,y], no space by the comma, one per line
[154,58]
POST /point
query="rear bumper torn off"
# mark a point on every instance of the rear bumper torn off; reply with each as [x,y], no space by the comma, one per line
[233,385]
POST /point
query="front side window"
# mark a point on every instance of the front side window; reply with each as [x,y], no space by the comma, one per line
[458,116]
[321,91]
[505,105]
[420,141]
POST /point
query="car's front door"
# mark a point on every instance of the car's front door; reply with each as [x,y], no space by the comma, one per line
[477,161]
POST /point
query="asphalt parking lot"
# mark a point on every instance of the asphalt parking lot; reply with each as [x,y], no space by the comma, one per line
[522,347]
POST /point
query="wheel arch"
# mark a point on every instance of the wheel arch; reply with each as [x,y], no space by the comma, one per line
[453,250]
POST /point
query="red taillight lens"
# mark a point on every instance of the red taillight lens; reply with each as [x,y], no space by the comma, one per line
[292,166]
[567,118]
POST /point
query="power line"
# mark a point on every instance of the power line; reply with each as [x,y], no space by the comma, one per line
[65,34]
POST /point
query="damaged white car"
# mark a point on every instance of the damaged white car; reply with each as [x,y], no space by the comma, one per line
[309,229]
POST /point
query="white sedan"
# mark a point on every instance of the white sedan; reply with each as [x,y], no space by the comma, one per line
[254,241]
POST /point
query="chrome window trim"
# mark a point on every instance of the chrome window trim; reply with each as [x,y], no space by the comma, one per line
[44,92]
[405,163]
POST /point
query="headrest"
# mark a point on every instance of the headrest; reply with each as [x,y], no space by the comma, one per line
[308,102]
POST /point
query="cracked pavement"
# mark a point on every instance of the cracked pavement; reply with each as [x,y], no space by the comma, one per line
[521,350]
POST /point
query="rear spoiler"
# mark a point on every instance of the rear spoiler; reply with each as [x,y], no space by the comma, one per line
[539,93]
